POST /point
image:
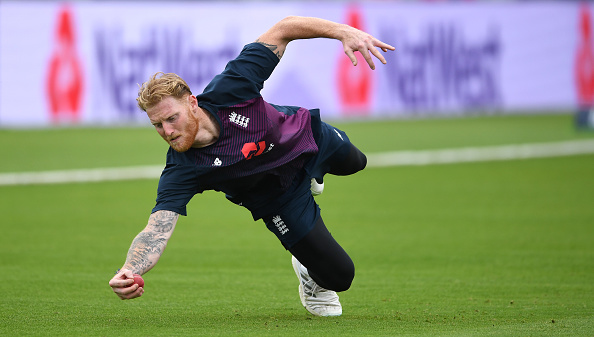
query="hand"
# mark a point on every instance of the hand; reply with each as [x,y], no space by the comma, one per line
[356,40]
[123,285]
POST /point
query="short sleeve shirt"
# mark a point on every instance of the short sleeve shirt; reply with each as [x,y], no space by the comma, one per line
[257,139]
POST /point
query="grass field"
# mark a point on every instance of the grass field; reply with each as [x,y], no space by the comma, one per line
[475,249]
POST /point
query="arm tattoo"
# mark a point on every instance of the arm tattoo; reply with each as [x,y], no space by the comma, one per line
[272,47]
[147,247]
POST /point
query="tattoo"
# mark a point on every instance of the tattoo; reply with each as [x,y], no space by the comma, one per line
[147,247]
[163,221]
[272,47]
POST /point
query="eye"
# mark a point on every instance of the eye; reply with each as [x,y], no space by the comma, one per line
[172,118]
[158,125]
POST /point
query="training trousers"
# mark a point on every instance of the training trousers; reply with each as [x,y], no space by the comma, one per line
[326,261]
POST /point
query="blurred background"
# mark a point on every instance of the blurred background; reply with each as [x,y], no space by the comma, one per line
[80,62]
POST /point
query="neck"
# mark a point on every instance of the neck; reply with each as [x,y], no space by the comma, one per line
[208,129]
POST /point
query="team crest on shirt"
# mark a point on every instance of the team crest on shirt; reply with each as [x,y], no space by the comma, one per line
[280,225]
[239,119]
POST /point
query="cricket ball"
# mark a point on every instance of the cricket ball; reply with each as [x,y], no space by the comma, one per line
[138,280]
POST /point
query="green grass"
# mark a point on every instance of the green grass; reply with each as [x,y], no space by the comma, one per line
[477,249]
[55,149]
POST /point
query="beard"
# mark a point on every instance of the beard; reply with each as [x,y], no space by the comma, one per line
[181,144]
[184,140]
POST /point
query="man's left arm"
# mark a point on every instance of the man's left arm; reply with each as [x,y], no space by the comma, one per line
[297,27]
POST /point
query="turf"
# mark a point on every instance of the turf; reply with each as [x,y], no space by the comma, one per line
[66,148]
[476,249]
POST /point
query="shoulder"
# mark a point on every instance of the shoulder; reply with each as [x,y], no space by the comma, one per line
[242,79]
[266,49]
[255,61]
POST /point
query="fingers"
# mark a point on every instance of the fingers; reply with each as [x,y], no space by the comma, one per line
[352,56]
[384,46]
[367,56]
[129,293]
[377,54]
[365,52]
[123,278]
[123,285]
[366,47]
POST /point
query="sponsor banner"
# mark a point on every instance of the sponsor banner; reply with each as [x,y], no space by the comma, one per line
[81,63]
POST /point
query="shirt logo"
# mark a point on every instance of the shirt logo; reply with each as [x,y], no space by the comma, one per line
[338,133]
[250,150]
[239,119]
[280,225]
[217,162]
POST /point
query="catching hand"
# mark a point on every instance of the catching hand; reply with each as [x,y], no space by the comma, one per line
[123,285]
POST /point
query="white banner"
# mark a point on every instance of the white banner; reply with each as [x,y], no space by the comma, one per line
[81,63]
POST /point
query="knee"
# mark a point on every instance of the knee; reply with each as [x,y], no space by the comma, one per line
[343,278]
[344,285]
[358,159]
[362,161]
[354,162]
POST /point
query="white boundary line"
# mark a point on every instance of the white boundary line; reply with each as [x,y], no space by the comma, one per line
[474,154]
[386,159]
[81,176]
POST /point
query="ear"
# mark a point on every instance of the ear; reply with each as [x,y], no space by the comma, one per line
[193,102]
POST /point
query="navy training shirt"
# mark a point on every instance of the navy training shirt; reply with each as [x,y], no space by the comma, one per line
[261,146]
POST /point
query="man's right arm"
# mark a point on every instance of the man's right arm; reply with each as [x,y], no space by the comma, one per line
[144,253]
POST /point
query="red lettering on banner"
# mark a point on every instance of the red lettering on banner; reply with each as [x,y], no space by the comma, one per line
[584,62]
[251,150]
[354,83]
[65,78]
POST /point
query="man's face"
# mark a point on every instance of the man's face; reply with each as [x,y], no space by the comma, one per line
[176,120]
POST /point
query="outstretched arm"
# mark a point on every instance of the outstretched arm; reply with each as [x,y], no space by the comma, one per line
[297,27]
[144,253]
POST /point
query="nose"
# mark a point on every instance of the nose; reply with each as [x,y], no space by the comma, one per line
[167,129]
